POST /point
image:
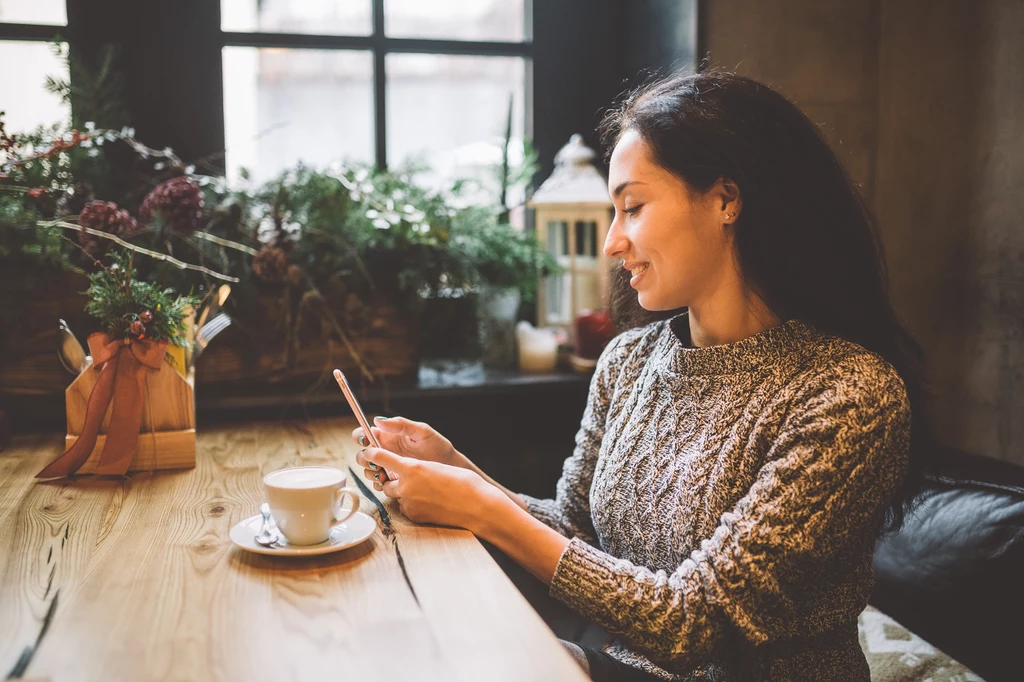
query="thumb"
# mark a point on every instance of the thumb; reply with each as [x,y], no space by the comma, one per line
[386,458]
[400,426]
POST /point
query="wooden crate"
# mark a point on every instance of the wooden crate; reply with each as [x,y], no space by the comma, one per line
[167,438]
[388,346]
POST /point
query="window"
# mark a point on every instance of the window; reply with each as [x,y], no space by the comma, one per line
[27,30]
[282,106]
[384,81]
[450,112]
[332,17]
[456,19]
[38,12]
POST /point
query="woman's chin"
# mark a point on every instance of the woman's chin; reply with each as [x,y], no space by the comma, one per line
[651,302]
[648,301]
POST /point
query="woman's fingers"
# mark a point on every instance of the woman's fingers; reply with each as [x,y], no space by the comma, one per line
[387,460]
[391,489]
[385,439]
[400,426]
[388,441]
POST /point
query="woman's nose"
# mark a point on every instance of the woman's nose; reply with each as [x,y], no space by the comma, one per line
[615,243]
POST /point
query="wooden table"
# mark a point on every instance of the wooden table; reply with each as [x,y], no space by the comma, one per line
[135,579]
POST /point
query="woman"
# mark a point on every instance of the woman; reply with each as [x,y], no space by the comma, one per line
[735,462]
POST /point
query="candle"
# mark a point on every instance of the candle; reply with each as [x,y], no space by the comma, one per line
[538,348]
[594,329]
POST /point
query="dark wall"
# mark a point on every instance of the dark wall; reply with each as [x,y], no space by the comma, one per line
[951,195]
[169,60]
[587,52]
[578,71]
[660,35]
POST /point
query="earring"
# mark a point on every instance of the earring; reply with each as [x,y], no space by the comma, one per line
[729,216]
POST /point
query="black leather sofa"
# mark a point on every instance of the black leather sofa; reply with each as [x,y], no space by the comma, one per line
[954,575]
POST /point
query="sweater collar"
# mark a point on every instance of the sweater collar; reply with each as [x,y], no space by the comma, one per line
[761,349]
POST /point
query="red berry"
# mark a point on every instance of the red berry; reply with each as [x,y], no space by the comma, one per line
[138,329]
[146,316]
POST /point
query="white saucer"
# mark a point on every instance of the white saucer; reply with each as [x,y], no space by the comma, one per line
[354,530]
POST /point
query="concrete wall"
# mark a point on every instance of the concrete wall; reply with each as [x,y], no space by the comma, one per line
[924,102]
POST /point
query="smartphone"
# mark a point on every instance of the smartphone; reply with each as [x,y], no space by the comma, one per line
[339,376]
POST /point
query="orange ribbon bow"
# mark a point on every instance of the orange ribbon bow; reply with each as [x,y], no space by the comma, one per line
[122,364]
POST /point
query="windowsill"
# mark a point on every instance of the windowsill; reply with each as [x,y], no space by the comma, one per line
[436,379]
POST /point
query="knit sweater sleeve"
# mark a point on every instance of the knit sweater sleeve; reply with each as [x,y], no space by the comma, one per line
[829,474]
[569,511]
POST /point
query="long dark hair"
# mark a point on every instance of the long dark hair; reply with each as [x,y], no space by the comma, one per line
[807,243]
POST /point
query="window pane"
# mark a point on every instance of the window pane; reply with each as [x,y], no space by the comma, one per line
[34,12]
[329,17]
[282,106]
[450,112]
[455,19]
[27,102]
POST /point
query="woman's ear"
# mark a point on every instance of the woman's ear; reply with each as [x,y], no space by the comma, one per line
[728,200]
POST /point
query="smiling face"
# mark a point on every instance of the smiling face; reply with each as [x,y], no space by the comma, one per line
[676,243]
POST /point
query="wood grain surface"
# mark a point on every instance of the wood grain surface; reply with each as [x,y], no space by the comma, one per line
[134,578]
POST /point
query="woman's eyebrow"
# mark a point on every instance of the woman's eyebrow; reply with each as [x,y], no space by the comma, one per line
[622,186]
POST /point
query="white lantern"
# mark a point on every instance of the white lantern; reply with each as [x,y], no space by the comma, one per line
[573,215]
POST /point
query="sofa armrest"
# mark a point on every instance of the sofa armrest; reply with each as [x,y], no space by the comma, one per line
[953,574]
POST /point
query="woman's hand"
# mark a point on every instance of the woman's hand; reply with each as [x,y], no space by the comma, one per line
[432,492]
[407,438]
[417,440]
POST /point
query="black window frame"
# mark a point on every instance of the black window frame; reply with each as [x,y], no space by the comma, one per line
[380,45]
[580,55]
[31,32]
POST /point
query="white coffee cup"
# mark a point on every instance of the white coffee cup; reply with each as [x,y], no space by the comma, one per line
[306,502]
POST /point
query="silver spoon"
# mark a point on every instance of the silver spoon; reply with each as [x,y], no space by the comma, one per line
[70,351]
[267,537]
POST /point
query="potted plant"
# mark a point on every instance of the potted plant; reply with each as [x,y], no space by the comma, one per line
[507,263]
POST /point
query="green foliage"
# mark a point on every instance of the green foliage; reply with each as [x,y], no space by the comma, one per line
[94,94]
[502,256]
[20,241]
[368,232]
[119,301]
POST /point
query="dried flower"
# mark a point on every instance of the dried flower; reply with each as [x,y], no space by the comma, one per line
[270,264]
[104,216]
[178,201]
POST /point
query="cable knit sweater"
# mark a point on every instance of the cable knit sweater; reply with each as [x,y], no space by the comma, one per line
[723,502]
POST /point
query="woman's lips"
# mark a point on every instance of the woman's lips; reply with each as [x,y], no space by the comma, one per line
[638,271]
